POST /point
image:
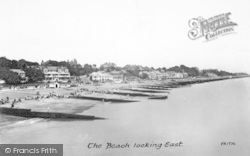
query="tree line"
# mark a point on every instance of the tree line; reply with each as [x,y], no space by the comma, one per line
[12,78]
[33,70]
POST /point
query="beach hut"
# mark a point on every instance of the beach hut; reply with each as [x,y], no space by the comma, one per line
[2,82]
[54,85]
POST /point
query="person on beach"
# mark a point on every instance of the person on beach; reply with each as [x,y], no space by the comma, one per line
[13,103]
[2,101]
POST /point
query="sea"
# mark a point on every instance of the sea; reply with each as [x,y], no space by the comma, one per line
[208,119]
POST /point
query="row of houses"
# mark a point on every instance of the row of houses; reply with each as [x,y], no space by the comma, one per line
[156,75]
[62,75]
[51,73]
[115,76]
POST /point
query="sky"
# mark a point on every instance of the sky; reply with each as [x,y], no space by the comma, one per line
[151,33]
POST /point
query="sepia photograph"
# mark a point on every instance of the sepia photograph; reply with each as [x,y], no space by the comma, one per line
[124,78]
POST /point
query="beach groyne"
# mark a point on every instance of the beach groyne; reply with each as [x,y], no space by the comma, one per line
[146,90]
[158,97]
[104,99]
[155,87]
[28,113]
[200,80]
[130,93]
[185,82]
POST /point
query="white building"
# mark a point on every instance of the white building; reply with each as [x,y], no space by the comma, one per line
[153,75]
[171,75]
[2,81]
[178,75]
[118,76]
[101,77]
[212,75]
[20,72]
[54,85]
[56,74]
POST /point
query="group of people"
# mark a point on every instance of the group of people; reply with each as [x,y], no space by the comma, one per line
[7,100]
[78,92]
[15,101]
[50,95]
[3,101]
[35,97]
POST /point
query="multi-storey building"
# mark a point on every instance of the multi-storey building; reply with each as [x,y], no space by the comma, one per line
[101,77]
[56,74]
[117,76]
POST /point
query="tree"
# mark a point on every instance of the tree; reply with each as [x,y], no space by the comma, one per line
[159,69]
[51,63]
[164,69]
[108,66]
[190,71]
[22,64]
[4,62]
[34,75]
[134,72]
[216,72]
[145,76]
[14,64]
[10,77]
[87,69]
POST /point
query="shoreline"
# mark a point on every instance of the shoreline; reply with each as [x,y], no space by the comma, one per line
[74,106]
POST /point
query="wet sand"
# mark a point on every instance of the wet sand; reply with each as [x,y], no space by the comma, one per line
[56,105]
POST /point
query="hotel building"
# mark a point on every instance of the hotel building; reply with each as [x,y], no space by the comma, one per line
[56,74]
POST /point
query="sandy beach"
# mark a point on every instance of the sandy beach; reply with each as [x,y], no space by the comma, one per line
[60,102]
[55,104]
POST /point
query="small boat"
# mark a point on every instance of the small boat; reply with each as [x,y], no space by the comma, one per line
[158,97]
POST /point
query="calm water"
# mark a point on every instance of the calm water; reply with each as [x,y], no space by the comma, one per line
[201,116]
